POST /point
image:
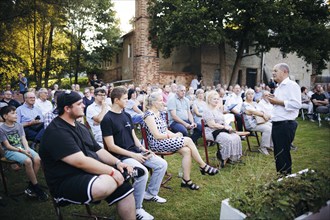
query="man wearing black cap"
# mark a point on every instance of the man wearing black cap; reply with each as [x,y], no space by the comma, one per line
[77,169]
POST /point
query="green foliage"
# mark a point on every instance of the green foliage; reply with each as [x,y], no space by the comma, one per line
[65,82]
[291,25]
[51,38]
[285,199]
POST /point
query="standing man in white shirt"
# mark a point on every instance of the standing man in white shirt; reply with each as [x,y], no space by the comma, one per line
[287,102]
[95,113]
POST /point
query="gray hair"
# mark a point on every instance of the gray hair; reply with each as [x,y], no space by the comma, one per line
[283,67]
[152,98]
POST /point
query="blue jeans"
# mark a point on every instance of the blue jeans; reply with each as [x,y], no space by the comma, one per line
[159,167]
[177,127]
[137,119]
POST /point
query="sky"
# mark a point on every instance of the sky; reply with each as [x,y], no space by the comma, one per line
[125,11]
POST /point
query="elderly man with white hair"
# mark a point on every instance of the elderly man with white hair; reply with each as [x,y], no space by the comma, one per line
[42,102]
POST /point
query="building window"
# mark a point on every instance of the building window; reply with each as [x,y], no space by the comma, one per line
[129,51]
[117,58]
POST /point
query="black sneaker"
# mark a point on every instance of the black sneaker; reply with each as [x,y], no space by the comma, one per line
[41,195]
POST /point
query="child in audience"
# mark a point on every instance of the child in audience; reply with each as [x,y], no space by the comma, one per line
[16,148]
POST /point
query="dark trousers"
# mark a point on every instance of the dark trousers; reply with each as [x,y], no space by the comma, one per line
[33,134]
[177,127]
[283,133]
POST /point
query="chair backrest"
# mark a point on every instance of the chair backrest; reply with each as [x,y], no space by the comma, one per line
[144,136]
[205,141]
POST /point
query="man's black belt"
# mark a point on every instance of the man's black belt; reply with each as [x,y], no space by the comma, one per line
[282,122]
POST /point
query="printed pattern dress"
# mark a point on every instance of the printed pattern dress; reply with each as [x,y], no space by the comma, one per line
[162,145]
[231,145]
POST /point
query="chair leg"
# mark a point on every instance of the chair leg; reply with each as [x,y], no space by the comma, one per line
[206,153]
[169,177]
[302,114]
[4,181]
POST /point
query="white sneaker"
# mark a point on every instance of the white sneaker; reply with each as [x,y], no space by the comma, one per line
[263,150]
[157,199]
[141,214]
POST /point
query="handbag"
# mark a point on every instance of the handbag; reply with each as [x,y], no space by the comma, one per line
[260,120]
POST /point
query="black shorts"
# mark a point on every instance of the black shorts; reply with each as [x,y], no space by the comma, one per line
[78,190]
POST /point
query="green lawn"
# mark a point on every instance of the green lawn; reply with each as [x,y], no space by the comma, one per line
[313,152]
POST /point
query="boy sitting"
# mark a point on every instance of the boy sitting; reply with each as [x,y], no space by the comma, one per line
[16,148]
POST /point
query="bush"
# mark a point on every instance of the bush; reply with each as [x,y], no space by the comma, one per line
[285,199]
[65,82]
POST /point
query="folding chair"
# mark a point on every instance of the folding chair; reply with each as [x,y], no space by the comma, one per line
[58,211]
[162,154]
[247,136]
[59,204]
[207,143]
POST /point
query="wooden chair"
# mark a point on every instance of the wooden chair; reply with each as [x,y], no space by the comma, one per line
[247,136]
[5,165]
[161,154]
[207,143]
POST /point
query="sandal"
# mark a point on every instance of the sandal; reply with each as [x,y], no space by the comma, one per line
[189,184]
[208,170]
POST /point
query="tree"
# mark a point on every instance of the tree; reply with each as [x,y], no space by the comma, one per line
[91,23]
[241,24]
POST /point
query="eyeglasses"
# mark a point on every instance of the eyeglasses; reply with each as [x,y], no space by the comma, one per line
[100,95]
[30,97]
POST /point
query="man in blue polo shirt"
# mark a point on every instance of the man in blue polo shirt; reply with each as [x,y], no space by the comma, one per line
[31,118]
[179,115]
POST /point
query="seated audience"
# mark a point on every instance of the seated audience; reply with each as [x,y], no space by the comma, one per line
[233,104]
[132,107]
[320,102]
[257,94]
[31,118]
[251,115]
[77,169]
[9,100]
[95,113]
[16,148]
[166,93]
[306,101]
[119,138]
[42,103]
[180,117]
[88,99]
[198,106]
[54,113]
[217,130]
[160,139]
[77,89]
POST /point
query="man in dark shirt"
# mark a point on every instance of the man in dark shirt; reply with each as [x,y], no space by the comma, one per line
[77,169]
[8,98]
[320,102]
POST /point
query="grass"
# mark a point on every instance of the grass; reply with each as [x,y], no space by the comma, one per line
[313,152]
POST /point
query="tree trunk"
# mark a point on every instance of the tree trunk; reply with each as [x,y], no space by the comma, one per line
[77,61]
[42,56]
[49,54]
[238,61]
[223,63]
[34,42]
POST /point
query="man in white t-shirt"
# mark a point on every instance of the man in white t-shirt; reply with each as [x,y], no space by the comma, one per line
[95,113]
[195,83]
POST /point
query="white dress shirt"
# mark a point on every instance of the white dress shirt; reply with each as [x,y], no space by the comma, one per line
[45,106]
[289,92]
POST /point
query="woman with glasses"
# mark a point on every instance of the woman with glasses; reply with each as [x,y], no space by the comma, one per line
[160,139]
